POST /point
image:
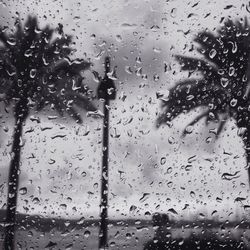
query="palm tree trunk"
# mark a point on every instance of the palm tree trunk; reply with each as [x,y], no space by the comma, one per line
[246,140]
[13,184]
[247,152]
[248,164]
[242,121]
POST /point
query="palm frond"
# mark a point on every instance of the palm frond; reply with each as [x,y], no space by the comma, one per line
[195,120]
[221,125]
[62,105]
[222,87]
[58,49]
[3,37]
[195,64]
[67,66]
[45,37]
[57,103]
[73,113]
[184,97]
[37,67]
[81,101]
[190,94]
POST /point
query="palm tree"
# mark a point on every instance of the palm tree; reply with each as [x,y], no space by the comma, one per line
[36,71]
[221,82]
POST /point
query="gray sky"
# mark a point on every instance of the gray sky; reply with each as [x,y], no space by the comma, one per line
[142,159]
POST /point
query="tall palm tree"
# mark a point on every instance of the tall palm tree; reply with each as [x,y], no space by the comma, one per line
[218,81]
[36,71]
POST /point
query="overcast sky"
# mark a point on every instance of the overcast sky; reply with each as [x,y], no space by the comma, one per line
[143,160]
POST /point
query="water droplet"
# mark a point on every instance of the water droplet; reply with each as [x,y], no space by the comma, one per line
[128,70]
[144,197]
[12,41]
[155,28]
[96,114]
[33,73]
[192,194]
[81,221]
[169,170]
[209,139]
[5,129]
[231,71]
[190,97]
[224,82]
[247,208]
[157,50]
[110,91]
[69,247]
[214,212]
[173,12]
[173,211]
[128,236]
[128,25]
[218,199]
[138,71]
[229,177]
[51,245]
[51,161]
[36,200]
[171,140]
[188,167]
[118,38]
[76,19]
[138,60]
[123,96]
[202,216]
[163,160]
[239,199]
[189,129]
[233,102]
[23,191]
[87,233]
[234,47]
[28,53]
[63,206]
[132,208]
[112,75]
[112,244]
[192,158]
[212,53]
[156,78]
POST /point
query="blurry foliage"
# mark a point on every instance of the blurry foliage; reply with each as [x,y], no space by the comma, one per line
[36,69]
[223,85]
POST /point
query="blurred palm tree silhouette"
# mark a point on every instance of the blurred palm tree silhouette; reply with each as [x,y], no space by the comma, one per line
[36,71]
[222,84]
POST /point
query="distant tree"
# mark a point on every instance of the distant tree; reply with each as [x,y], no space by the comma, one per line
[222,85]
[36,71]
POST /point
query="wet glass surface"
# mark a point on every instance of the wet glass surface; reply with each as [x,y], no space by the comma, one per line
[124,124]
